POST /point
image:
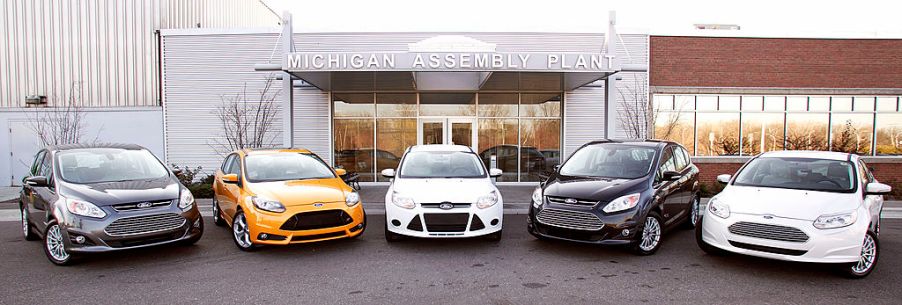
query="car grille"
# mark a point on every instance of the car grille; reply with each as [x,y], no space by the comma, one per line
[766,231]
[144,224]
[317,220]
[134,205]
[563,200]
[570,219]
[446,222]
[768,249]
[453,205]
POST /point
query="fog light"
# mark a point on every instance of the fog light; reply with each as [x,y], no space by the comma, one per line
[494,222]
[357,228]
[79,239]
[396,222]
[626,232]
[264,236]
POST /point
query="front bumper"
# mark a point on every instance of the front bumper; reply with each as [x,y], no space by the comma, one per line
[616,229]
[841,245]
[97,239]
[271,224]
[434,222]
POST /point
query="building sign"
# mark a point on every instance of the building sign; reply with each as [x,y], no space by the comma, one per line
[449,61]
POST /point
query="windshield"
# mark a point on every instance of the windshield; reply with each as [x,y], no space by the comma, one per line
[95,165]
[610,160]
[799,173]
[442,164]
[285,166]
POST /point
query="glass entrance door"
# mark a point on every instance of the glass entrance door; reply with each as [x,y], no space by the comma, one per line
[458,131]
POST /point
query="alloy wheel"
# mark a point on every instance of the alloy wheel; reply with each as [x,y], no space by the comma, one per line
[694,213]
[215,211]
[651,234]
[55,245]
[868,255]
[25,228]
[240,231]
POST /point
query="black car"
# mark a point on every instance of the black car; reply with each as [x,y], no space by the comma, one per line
[618,193]
[95,198]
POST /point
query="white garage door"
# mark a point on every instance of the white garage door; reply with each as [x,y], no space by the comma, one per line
[23,144]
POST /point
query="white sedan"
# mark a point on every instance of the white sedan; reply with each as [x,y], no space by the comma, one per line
[804,206]
[442,191]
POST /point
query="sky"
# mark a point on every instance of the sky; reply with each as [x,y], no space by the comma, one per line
[768,18]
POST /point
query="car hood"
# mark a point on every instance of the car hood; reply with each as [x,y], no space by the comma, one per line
[439,190]
[110,193]
[597,189]
[786,203]
[302,192]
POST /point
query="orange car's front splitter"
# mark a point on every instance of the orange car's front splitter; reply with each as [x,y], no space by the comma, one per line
[266,228]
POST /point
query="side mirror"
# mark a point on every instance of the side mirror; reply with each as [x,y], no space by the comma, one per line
[671,175]
[877,188]
[388,173]
[37,181]
[230,178]
[724,178]
[341,171]
[495,172]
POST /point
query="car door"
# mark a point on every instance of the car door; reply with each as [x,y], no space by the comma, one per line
[684,193]
[44,196]
[667,191]
[219,189]
[231,192]
[874,203]
[28,191]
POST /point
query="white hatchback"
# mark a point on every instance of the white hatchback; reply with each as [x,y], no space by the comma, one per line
[442,191]
[804,206]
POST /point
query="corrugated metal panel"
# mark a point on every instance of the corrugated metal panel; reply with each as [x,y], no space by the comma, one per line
[312,121]
[583,118]
[105,52]
[197,72]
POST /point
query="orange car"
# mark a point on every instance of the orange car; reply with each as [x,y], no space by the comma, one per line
[284,196]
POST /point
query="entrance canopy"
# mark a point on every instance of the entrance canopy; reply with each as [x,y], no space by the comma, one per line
[447,81]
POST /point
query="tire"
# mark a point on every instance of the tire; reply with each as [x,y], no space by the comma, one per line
[695,213]
[494,237]
[709,249]
[240,233]
[217,214]
[27,230]
[55,247]
[193,240]
[870,247]
[650,237]
[392,236]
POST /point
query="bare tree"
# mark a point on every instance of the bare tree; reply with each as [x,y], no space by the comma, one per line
[247,121]
[639,119]
[64,123]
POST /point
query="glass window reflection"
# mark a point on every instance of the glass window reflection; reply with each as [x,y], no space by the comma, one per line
[396,104]
[540,147]
[852,133]
[353,104]
[889,134]
[806,131]
[540,105]
[499,137]
[718,134]
[353,142]
[447,104]
[761,132]
[393,137]
[495,105]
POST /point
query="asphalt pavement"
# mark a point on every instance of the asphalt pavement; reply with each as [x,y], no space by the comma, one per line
[518,270]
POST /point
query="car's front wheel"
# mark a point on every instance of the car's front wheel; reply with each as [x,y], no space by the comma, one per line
[649,236]
[392,236]
[27,231]
[709,249]
[241,233]
[694,213]
[54,246]
[217,214]
[867,260]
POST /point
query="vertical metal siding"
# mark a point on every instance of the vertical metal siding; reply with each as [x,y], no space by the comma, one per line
[583,118]
[312,121]
[105,48]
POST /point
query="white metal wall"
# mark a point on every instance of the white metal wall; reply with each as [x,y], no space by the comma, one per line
[105,49]
[312,122]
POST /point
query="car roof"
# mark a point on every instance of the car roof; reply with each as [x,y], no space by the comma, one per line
[827,155]
[62,147]
[637,142]
[440,147]
[265,151]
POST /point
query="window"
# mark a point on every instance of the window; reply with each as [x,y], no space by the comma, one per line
[667,161]
[798,173]
[38,158]
[538,138]
[393,137]
[97,165]
[718,134]
[889,134]
[610,160]
[495,105]
[285,166]
[447,104]
[499,137]
[353,104]
[46,168]
[226,163]
[680,160]
[396,105]
[852,133]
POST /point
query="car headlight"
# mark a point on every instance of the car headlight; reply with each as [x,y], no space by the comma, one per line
[268,205]
[622,203]
[186,200]
[404,202]
[487,200]
[718,208]
[834,221]
[537,197]
[352,199]
[84,208]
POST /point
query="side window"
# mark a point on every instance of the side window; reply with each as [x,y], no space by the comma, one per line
[36,165]
[679,158]
[864,174]
[235,168]
[685,155]
[226,163]
[667,161]
[46,169]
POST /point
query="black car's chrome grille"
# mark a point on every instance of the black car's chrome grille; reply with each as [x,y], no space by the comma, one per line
[570,219]
[317,220]
[144,224]
[571,201]
[767,231]
[446,222]
[142,205]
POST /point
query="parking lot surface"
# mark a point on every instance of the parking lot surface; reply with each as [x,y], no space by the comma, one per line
[518,270]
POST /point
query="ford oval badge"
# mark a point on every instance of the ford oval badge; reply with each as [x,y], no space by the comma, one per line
[446,206]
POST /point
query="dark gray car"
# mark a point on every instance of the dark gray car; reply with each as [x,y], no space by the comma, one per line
[96,198]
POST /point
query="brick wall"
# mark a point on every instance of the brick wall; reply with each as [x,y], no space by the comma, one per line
[775,62]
